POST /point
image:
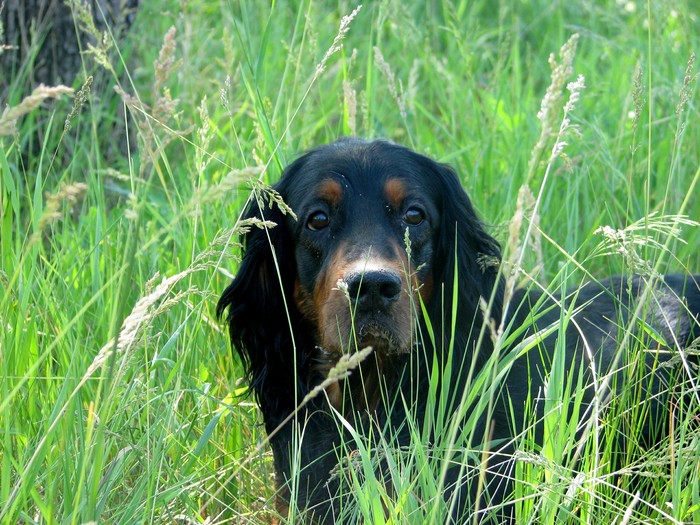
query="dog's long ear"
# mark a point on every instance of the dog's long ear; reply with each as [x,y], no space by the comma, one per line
[258,320]
[466,248]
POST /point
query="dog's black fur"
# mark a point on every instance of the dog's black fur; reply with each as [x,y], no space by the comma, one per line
[289,320]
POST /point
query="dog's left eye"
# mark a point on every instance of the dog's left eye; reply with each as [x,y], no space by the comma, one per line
[318,220]
[413,216]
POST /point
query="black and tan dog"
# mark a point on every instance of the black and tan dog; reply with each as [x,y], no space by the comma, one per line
[380,231]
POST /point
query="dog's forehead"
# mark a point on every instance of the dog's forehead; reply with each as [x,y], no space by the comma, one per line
[364,171]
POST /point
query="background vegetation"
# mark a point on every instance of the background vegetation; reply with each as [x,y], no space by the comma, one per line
[119,399]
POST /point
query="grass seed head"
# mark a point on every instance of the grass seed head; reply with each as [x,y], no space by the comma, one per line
[337,41]
[548,114]
[10,116]
[67,193]
[81,97]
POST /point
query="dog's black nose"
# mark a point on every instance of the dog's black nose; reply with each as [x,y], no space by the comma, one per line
[374,290]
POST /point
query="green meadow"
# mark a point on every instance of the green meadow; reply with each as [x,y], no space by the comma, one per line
[574,127]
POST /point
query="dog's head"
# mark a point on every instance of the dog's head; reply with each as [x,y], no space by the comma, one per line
[379,229]
[364,242]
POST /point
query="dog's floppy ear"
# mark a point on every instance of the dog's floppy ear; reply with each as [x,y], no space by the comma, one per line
[258,320]
[464,246]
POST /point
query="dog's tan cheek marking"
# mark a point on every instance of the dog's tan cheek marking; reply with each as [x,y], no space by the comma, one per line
[332,309]
[329,302]
[395,191]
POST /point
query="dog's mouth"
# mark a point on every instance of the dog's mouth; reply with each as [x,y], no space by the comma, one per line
[377,335]
[382,332]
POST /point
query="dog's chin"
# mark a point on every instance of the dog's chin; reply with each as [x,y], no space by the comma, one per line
[381,332]
[382,339]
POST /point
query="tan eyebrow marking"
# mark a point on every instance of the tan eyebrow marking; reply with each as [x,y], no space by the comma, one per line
[395,190]
[330,191]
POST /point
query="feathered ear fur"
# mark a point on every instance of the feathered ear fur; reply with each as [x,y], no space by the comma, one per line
[464,245]
[259,323]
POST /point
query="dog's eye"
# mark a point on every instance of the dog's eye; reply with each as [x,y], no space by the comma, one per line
[413,216]
[318,220]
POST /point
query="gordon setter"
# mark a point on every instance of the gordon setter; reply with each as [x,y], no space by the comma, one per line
[386,251]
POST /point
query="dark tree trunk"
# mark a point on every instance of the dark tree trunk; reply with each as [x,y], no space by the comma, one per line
[45,41]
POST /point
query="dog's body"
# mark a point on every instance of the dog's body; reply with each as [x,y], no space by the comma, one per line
[382,230]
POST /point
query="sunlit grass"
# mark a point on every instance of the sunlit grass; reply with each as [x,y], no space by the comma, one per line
[119,399]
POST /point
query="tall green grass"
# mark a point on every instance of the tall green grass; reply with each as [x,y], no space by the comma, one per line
[119,399]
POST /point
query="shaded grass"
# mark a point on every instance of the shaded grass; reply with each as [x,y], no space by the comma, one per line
[159,431]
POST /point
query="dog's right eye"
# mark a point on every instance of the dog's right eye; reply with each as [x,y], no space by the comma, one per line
[413,216]
[318,220]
